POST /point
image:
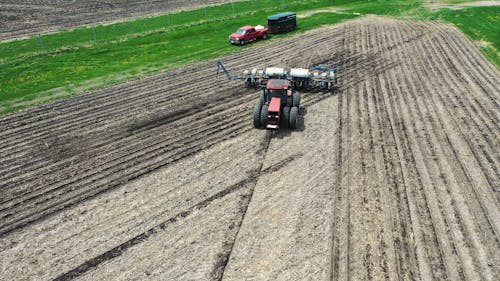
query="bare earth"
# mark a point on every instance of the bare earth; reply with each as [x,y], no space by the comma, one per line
[27,17]
[394,176]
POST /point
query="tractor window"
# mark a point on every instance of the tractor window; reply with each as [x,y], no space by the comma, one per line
[276,93]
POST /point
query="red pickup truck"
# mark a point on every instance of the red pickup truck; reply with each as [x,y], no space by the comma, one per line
[248,34]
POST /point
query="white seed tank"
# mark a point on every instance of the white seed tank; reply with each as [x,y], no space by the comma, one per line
[275,71]
[299,73]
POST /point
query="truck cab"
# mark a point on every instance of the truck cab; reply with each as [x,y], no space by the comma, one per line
[247,34]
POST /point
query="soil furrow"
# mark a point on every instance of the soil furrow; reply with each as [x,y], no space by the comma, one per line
[129,134]
[10,223]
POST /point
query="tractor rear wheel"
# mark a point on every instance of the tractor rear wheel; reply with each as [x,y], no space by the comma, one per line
[256,116]
[294,115]
[296,99]
[285,117]
[263,116]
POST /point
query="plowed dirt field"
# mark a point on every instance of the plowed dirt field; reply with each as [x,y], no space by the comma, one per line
[394,176]
[40,16]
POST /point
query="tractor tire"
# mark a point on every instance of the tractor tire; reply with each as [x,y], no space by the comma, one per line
[285,118]
[263,116]
[296,99]
[256,116]
[294,115]
[262,99]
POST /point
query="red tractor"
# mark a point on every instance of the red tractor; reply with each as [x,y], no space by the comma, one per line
[278,106]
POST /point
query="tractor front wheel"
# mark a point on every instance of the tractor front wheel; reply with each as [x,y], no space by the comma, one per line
[263,116]
[256,116]
[285,117]
[294,115]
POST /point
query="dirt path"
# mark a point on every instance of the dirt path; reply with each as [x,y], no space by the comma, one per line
[336,11]
[34,17]
[394,176]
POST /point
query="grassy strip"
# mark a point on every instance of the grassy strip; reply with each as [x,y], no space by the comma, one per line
[482,24]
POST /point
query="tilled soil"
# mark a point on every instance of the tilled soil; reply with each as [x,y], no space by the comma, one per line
[393,176]
[28,17]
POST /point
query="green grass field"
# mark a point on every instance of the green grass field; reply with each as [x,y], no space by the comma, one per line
[40,69]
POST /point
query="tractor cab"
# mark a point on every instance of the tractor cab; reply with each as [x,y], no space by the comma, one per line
[277,90]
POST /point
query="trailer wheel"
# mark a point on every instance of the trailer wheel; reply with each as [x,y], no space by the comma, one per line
[263,116]
[285,118]
[256,116]
[296,99]
[294,114]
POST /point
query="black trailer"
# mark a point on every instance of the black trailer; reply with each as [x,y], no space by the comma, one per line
[282,22]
